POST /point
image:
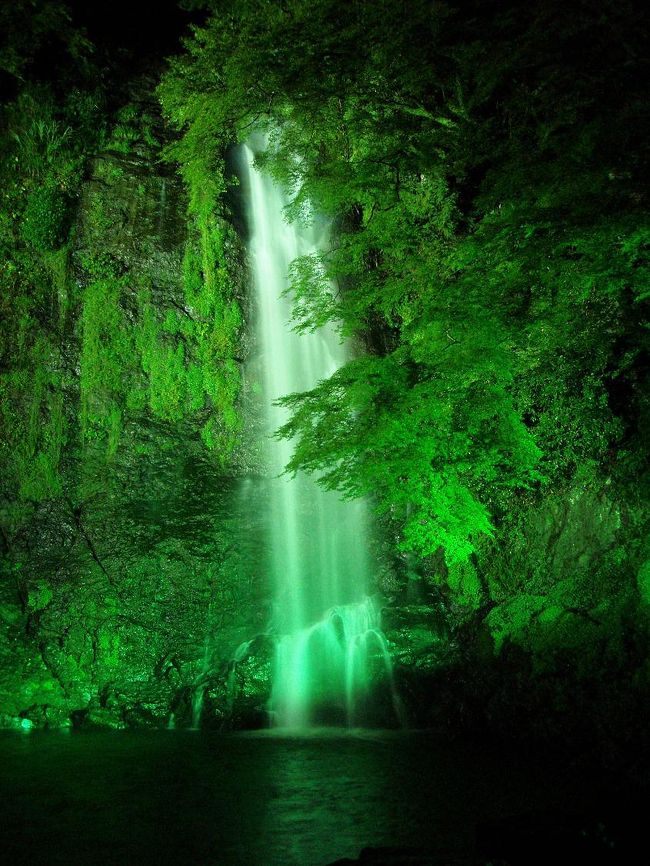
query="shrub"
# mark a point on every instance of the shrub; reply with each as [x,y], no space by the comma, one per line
[45,222]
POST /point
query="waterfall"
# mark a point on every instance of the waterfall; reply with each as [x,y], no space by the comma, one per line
[329,642]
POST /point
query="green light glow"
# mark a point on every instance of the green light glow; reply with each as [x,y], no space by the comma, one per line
[329,630]
[479,181]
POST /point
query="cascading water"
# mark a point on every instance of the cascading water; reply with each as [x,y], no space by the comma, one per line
[329,640]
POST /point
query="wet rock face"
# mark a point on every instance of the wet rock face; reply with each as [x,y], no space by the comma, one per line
[237,695]
[139,581]
[556,651]
[418,635]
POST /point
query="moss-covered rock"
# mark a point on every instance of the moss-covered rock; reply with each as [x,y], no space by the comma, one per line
[124,582]
[46,220]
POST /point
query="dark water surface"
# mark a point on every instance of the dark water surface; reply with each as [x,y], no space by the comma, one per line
[251,800]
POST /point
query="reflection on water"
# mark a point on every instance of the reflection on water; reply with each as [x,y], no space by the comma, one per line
[254,800]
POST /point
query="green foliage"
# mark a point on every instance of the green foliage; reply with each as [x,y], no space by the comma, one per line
[28,25]
[172,387]
[46,133]
[431,448]
[48,140]
[45,221]
[208,286]
[174,361]
[107,349]
[512,620]
[132,127]
[489,241]
[643,582]
[40,142]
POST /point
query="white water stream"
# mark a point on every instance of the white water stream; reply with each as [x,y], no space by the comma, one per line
[328,631]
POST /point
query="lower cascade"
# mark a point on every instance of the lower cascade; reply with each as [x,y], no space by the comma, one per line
[330,648]
[331,658]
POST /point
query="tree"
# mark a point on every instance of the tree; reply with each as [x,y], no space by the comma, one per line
[481,167]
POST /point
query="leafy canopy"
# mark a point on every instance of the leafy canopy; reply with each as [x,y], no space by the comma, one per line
[481,166]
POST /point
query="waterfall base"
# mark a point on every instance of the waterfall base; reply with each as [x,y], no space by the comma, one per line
[326,673]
